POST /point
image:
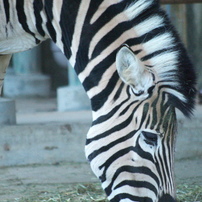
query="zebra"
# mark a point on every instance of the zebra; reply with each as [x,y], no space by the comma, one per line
[136,73]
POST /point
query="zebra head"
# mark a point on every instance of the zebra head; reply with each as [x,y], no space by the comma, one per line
[151,173]
[131,147]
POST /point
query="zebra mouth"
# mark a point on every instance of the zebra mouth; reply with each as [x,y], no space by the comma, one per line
[167,198]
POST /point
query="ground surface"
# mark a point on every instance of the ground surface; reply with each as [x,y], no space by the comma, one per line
[43,182]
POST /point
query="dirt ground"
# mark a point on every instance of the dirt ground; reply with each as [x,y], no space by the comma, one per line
[28,181]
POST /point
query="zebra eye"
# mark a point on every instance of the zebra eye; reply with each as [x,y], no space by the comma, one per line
[136,93]
[150,138]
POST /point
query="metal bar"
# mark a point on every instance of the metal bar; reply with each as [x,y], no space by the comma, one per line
[180,1]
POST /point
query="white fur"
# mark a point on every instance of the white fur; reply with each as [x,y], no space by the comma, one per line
[163,41]
[149,25]
[136,8]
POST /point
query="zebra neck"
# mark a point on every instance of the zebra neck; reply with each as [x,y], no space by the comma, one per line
[93,48]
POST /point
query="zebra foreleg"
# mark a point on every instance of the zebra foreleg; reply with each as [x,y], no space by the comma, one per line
[4,62]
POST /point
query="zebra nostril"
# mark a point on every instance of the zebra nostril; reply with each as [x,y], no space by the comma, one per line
[167,198]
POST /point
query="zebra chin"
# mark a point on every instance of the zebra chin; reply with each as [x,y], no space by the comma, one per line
[167,198]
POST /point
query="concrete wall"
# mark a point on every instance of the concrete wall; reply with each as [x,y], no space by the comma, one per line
[187,20]
[194,37]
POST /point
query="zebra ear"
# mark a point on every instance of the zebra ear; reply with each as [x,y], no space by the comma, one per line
[132,71]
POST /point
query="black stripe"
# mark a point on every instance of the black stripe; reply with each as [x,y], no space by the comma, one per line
[158,169]
[96,74]
[99,100]
[23,19]
[107,116]
[111,36]
[49,13]
[166,167]
[171,146]
[148,121]
[68,17]
[119,91]
[88,31]
[163,108]
[133,170]
[144,113]
[147,36]
[7,10]
[128,107]
[112,112]
[154,113]
[167,141]
[38,7]
[137,52]
[109,13]
[159,52]
[162,172]
[137,184]
[121,196]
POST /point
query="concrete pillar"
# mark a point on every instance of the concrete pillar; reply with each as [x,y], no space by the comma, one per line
[72,97]
[27,62]
[25,78]
[7,111]
[7,106]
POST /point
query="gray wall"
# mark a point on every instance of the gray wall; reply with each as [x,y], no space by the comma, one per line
[187,18]
[194,36]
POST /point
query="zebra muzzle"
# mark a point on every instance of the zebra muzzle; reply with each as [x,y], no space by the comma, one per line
[167,198]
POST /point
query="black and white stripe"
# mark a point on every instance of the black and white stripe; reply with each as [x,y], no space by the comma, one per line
[135,71]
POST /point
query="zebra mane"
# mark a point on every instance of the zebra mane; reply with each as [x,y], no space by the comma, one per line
[162,52]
